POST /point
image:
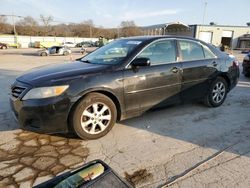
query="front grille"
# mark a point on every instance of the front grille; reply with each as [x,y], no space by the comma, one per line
[16,91]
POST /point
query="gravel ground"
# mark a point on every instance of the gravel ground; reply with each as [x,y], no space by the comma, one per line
[181,146]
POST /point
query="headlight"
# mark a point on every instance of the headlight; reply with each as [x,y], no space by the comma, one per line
[45,92]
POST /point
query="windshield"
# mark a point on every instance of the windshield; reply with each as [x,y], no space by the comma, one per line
[112,53]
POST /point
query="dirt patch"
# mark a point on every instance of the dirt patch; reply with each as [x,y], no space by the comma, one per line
[138,177]
[34,155]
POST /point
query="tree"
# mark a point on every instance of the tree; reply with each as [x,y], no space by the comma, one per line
[90,24]
[4,26]
[129,28]
[128,24]
[28,21]
[27,26]
[46,20]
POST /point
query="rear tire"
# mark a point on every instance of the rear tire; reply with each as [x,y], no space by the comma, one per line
[217,93]
[94,116]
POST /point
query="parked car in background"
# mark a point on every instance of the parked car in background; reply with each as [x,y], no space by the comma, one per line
[85,44]
[246,65]
[121,80]
[3,46]
[55,50]
[69,44]
[87,50]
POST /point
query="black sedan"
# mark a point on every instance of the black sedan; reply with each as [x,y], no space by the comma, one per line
[246,65]
[121,80]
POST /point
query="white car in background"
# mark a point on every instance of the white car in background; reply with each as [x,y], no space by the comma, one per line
[69,44]
[55,50]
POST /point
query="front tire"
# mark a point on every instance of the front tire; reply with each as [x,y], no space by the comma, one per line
[217,93]
[94,116]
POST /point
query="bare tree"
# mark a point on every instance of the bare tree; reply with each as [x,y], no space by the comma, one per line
[46,20]
[90,24]
[4,26]
[129,28]
[31,26]
[27,26]
[128,24]
[28,21]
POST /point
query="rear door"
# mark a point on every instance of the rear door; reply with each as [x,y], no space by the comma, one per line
[199,65]
[157,84]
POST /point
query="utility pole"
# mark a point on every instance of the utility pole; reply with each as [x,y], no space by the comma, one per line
[204,13]
[118,32]
[203,20]
[90,31]
[14,29]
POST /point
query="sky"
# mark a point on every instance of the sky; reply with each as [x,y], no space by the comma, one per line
[110,13]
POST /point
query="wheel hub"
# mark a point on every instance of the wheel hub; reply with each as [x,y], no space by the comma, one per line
[218,92]
[96,118]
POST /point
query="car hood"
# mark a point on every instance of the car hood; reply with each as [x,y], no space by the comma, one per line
[60,72]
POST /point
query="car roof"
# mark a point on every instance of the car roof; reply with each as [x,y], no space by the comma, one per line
[152,38]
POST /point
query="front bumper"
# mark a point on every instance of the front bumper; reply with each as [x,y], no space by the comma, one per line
[42,115]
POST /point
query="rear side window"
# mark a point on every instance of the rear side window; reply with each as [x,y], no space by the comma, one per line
[208,53]
[191,51]
[160,52]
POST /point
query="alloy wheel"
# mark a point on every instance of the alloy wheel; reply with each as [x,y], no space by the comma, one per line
[219,92]
[95,118]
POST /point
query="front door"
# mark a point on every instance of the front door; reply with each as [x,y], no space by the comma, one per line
[154,85]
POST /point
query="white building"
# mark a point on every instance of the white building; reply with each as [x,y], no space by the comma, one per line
[235,37]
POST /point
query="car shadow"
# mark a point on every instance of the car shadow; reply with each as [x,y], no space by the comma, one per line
[214,128]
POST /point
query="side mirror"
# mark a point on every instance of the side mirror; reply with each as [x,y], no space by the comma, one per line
[141,62]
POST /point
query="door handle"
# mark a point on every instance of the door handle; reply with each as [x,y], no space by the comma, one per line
[175,69]
[214,64]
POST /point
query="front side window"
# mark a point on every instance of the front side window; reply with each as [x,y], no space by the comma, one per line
[160,52]
[191,51]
